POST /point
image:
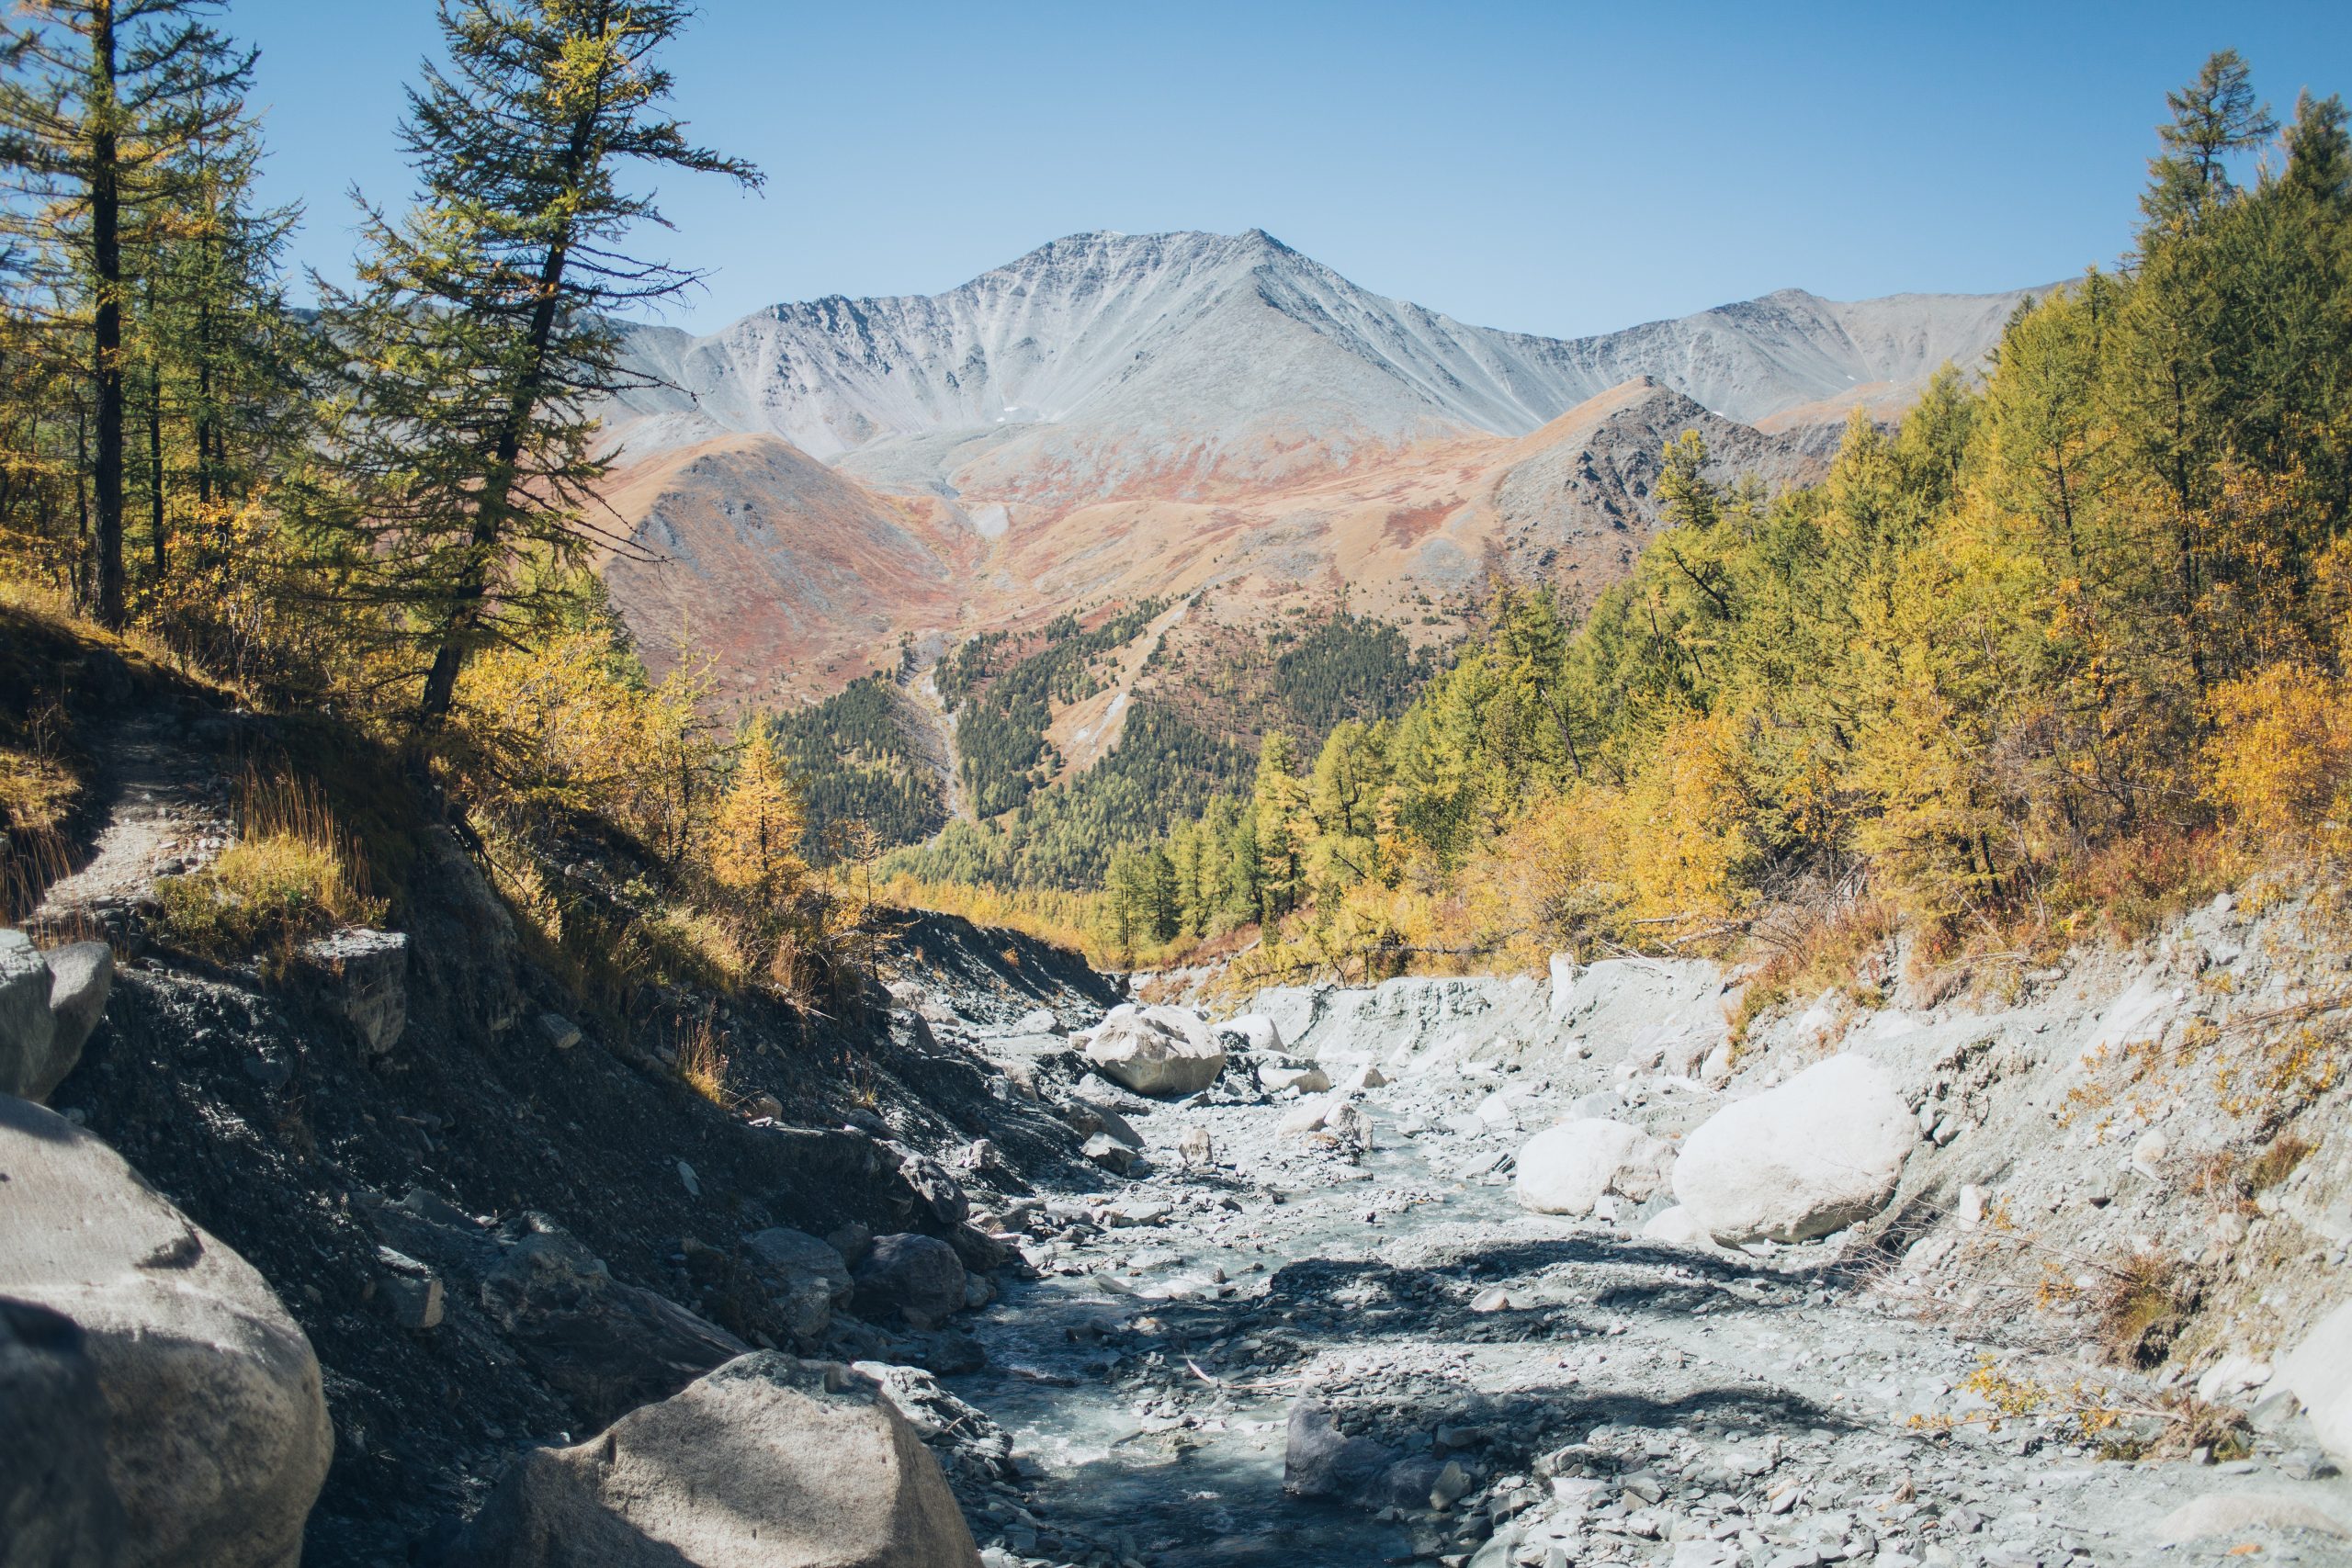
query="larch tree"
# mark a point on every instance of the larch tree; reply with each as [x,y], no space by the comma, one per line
[759,826]
[462,469]
[100,102]
[2212,118]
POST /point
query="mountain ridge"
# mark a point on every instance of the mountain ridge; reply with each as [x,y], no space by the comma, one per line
[1110,417]
[1067,334]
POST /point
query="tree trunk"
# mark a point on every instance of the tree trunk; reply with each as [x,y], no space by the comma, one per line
[155,473]
[497,495]
[106,242]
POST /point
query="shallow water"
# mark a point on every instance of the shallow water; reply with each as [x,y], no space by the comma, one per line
[1210,1493]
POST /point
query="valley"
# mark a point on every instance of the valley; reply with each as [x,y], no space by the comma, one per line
[1159,910]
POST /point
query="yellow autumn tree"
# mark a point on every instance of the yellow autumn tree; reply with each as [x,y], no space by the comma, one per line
[2281,755]
[755,846]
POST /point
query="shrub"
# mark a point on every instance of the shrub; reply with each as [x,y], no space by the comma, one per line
[2143,1304]
[2281,749]
[292,874]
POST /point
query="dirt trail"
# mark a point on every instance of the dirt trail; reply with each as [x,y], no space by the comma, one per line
[167,811]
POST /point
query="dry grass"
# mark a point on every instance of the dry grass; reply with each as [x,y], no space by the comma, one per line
[293,873]
[1073,921]
[1809,951]
[2275,1163]
[702,1061]
[2142,1302]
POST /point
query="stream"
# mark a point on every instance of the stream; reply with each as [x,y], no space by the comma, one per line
[1204,1487]
[1552,1391]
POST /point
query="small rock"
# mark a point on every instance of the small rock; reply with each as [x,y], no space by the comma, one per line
[2231,1376]
[1110,1154]
[1256,1032]
[1319,1461]
[1309,1079]
[804,1279]
[410,1292]
[2305,1464]
[692,1182]
[363,975]
[1971,1211]
[558,1032]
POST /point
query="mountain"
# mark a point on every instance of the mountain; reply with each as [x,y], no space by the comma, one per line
[1114,416]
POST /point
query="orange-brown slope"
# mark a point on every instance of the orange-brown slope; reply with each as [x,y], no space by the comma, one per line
[791,578]
[795,578]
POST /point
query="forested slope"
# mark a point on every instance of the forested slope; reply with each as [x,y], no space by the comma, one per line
[2049,654]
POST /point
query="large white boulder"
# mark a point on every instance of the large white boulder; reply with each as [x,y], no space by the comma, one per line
[2319,1371]
[1568,1169]
[1256,1032]
[767,1461]
[219,1436]
[1823,1150]
[1156,1050]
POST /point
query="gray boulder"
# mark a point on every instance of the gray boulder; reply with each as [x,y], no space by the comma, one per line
[49,1004]
[1156,1050]
[611,1346]
[1256,1032]
[918,1277]
[58,1509]
[766,1461]
[81,978]
[805,1280]
[1090,1116]
[939,1192]
[2319,1373]
[1110,1154]
[411,1294]
[1568,1169]
[1823,1150]
[362,975]
[1320,1460]
[1307,1077]
[218,1438]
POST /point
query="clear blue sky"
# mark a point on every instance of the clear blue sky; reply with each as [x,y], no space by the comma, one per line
[1551,168]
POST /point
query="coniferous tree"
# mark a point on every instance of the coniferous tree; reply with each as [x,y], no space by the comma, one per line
[101,102]
[465,456]
[2213,117]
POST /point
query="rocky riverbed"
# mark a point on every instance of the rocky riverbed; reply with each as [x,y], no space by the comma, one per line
[1315,1321]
